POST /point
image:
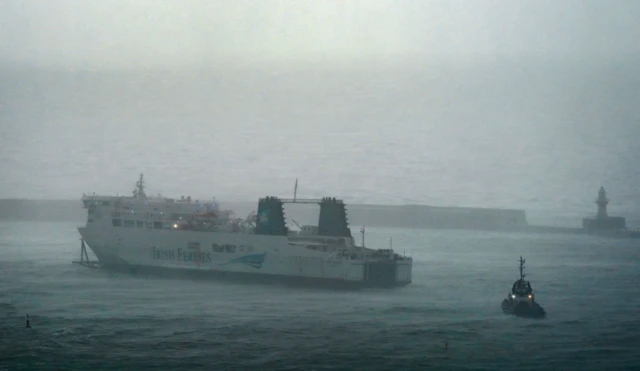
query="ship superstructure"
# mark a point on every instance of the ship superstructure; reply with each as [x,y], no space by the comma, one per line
[140,233]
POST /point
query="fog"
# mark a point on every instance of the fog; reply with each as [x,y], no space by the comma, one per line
[189,34]
[448,102]
[529,105]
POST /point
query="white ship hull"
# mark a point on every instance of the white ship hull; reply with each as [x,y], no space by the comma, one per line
[236,256]
[164,235]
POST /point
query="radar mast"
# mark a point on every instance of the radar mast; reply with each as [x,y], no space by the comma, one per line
[522,275]
[139,191]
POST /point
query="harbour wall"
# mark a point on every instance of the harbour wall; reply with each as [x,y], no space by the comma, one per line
[385,216]
[390,216]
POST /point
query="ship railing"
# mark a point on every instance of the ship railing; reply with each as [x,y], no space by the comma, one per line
[401,257]
[304,200]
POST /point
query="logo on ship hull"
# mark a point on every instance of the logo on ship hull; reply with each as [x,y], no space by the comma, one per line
[253,260]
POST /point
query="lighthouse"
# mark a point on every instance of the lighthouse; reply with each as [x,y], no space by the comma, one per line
[603,221]
[602,202]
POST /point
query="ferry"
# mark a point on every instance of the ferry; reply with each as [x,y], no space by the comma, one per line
[161,235]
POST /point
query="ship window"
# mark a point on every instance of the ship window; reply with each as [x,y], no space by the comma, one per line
[117,222]
[229,248]
[217,248]
[139,224]
[157,225]
[149,225]
[129,223]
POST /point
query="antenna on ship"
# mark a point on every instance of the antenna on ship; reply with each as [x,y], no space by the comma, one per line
[522,261]
[139,191]
[362,231]
[295,190]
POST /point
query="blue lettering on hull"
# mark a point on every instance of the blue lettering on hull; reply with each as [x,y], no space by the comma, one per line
[161,254]
[193,254]
[181,255]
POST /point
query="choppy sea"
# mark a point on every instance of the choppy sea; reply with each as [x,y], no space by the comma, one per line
[83,319]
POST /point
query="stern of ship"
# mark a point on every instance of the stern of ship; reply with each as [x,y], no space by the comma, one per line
[387,272]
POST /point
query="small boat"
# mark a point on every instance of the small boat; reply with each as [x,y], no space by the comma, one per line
[521,300]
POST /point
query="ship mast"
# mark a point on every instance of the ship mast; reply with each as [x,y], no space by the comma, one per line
[295,191]
[139,191]
[522,261]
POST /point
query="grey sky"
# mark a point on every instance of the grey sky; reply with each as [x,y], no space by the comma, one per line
[108,34]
